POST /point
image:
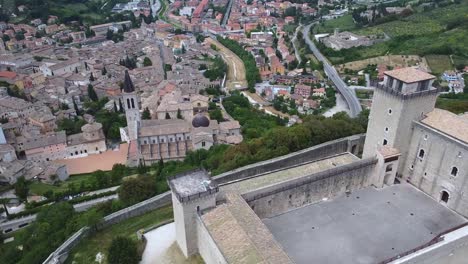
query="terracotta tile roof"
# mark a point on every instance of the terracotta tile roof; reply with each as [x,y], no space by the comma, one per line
[7,74]
[409,75]
[448,123]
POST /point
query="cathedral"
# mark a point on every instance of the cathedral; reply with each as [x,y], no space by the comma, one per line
[171,138]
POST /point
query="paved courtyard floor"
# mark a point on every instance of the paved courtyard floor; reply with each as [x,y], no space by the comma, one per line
[368,226]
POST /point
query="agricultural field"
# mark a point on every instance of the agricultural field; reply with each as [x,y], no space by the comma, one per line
[439,63]
[437,31]
[344,23]
[389,60]
[457,106]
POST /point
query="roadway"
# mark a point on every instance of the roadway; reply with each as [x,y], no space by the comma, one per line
[348,94]
[227,14]
[293,41]
[21,222]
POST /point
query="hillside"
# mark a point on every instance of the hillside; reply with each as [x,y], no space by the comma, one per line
[85,11]
[441,31]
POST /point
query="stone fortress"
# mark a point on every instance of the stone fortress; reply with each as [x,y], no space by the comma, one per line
[403,202]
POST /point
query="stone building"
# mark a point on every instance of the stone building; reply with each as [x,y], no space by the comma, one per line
[57,145]
[402,202]
[177,128]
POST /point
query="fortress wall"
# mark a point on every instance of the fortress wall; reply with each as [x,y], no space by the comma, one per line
[207,246]
[282,197]
[352,144]
[432,173]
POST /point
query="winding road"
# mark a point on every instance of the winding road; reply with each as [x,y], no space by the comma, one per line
[348,94]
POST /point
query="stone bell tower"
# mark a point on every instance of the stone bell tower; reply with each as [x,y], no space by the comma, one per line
[131,104]
[405,95]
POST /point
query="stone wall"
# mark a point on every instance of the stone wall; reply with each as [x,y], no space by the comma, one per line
[282,197]
[353,144]
[61,253]
[433,172]
[451,248]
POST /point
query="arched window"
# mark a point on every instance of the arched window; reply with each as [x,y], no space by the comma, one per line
[385,142]
[454,171]
[128,103]
[421,153]
[444,196]
[133,103]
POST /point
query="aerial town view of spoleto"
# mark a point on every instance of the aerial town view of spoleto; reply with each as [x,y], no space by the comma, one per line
[233,131]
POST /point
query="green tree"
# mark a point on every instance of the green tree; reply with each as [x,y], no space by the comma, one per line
[91,77]
[123,250]
[92,219]
[104,71]
[216,115]
[117,173]
[92,94]
[75,106]
[5,38]
[19,36]
[147,62]
[146,114]
[109,34]
[21,188]
[138,189]
[4,201]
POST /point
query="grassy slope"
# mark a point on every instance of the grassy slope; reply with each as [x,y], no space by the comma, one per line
[425,33]
[439,63]
[457,106]
[40,188]
[344,23]
[85,252]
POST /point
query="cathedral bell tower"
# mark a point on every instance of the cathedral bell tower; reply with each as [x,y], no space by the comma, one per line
[406,95]
[131,104]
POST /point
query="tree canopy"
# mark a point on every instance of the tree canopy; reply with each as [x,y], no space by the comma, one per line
[123,250]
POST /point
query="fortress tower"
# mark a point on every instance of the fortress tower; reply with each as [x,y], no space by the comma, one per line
[131,104]
[192,192]
[406,95]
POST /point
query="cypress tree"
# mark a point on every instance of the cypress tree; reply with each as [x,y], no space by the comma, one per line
[92,94]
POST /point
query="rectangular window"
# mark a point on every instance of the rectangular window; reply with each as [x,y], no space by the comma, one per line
[400,86]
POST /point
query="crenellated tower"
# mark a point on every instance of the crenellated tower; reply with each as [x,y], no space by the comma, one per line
[406,95]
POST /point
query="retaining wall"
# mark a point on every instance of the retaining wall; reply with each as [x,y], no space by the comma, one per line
[282,197]
[61,253]
[352,144]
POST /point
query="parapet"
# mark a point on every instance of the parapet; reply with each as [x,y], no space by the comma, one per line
[406,96]
[192,185]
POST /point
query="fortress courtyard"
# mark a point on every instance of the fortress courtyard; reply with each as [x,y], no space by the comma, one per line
[367,226]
